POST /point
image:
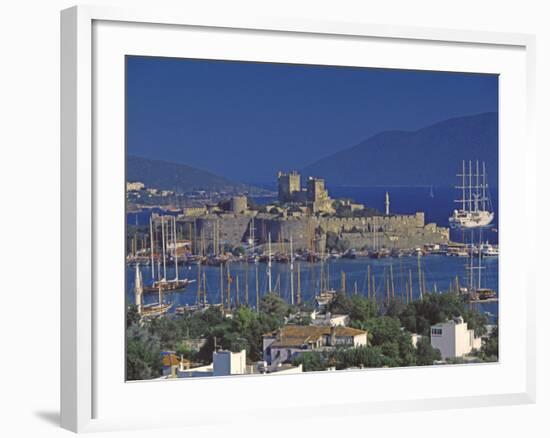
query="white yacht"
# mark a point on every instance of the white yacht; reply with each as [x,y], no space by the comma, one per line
[475,203]
[488,250]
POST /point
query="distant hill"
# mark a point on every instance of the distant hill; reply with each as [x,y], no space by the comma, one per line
[168,175]
[429,156]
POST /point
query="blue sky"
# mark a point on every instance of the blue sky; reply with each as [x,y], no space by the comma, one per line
[247,120]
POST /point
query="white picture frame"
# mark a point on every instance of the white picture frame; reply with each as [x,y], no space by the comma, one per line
[82,370]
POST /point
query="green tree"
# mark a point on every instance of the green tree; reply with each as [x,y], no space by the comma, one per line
[489,349]
[311,361]
[359,308]
[369,357]
[166,330]
[143,359]
[425,353]
[383,329]
[476,321]
[132,316]
[274,306]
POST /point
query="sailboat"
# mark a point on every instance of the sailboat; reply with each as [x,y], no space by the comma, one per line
[476,292]
[326,294]
[172,285]
[148,310]
[475,202]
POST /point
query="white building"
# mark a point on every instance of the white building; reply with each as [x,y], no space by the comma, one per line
[227,363]
[453,338]
[287,343]
[134,186]
[328,319]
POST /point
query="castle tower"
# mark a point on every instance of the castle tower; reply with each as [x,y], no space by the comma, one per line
[289,184]
[239,204]
[316,189]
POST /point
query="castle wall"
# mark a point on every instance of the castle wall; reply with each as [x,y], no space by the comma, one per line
[309,232]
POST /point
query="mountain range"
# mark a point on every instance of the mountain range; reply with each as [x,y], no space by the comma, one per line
[169,175]
[428,156]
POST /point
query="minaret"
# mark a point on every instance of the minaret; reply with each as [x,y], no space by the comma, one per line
[138,289]
[387,204]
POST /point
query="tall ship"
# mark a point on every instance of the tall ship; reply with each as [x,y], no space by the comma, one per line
[148,310]
[160,281]
[475,203]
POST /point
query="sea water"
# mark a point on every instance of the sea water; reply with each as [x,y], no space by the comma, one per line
[439,271]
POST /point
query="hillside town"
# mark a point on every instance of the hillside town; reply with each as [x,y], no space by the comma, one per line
[282,339]
[259,297]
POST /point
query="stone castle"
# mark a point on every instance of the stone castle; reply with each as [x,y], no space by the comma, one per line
[308,215]
[314,195]
[310,232]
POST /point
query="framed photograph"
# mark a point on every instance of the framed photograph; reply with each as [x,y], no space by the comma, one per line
[255,208]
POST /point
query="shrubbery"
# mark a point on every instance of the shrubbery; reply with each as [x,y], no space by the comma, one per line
[389,333]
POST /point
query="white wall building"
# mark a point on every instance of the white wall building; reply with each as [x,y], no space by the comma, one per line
[453,338]
[227,363]
[283,345]
[135,186]
[328,319]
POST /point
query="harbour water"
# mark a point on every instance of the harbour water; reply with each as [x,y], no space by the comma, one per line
[439,272]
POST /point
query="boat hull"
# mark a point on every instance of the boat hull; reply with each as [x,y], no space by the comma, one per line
[474,219]
[167,286]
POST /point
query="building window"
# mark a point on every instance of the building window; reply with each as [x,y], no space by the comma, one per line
[437,332]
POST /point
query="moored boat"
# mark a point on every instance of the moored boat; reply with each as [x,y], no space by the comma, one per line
[475,203]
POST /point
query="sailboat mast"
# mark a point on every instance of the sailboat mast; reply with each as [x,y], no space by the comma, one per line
[257,290]
[175,241]
[420,278]
[479,263]
[343,281]
[228,288]
[472,260]
[374,232]
[483,193]
[410,285]
[470,186]
[391,282]
[291,272]
[163,248]
[221,285]
[269,262]
[152,247]
[199,283]
[299,286]
[477,187]
[246,284]
[368,281]
[204,287]
[374,286]
[463,187]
